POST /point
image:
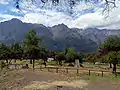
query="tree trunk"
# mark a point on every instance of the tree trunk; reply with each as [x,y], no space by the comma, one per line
[30,61]
[6,61]
[114,68]
[110,65]
[45,63]
[33,64]
[60,62]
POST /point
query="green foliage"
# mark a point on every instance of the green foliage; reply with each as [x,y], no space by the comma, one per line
[79,56]
[71,54]
[92,58]
[31,45]
[118,57]
[61,56]
[111,44]
[52,63]
[16,51]
[111,56]
[110,51]
[5,51]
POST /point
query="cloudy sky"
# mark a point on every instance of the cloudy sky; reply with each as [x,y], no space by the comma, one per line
[82,15]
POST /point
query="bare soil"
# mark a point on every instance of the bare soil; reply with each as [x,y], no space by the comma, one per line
[43,80]
[104,85]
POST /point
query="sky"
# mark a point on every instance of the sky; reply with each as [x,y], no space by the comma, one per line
[82,15]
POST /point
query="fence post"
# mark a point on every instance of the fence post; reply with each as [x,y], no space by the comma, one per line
[66,70]
[102,73]
[89,72]
[56,70]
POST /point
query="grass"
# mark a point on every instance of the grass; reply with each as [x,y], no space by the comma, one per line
[54,63]
[93,78]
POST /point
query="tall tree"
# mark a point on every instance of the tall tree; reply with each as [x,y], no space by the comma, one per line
[111,47]
[31,46]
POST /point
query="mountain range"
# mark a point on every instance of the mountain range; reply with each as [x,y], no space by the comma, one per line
[56,38]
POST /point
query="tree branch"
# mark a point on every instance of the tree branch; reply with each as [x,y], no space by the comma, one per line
[108,7]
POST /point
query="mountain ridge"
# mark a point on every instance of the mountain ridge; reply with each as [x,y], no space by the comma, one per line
[56,38]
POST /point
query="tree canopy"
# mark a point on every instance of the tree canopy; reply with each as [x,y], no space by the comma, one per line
[31,45]
[111,44]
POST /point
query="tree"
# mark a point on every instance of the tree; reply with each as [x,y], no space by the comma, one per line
[60,57]
[5,52]
[79,56]
[111,44]
[92,58]
[16,51]
[44,54]
[31,46]
[110,48]
[71,54]
[110,58]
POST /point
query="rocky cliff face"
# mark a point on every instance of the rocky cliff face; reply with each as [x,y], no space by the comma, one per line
[57,37]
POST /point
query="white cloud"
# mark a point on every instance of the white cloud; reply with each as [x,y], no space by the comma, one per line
[8,17]
[52,17]
[4,2]
[48,19]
